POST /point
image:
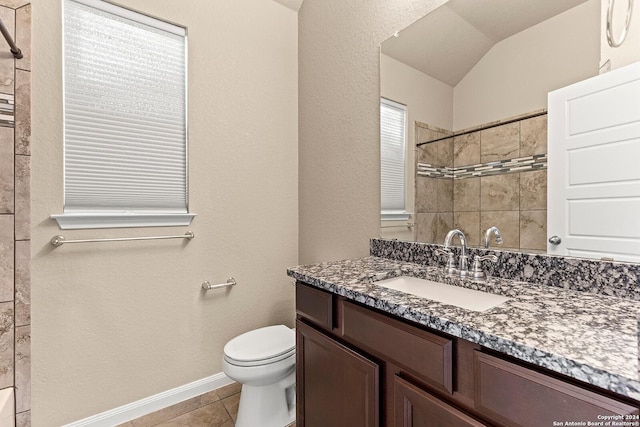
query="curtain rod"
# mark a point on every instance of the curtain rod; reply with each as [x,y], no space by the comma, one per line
[17,53]
[494,125]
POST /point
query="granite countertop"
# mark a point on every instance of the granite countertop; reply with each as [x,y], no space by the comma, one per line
[590,337]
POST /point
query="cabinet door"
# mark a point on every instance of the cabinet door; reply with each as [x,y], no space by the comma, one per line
[519,397]
[335,386]
[414,407]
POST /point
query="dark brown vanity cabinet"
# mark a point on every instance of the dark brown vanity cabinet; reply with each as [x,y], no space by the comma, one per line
[340,386]
[415,407]
[360,367]
[518,396]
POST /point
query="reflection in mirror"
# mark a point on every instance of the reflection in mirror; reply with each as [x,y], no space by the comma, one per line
[474,77]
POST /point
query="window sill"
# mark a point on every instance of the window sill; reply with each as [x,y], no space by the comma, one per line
[395,216]
[76,221]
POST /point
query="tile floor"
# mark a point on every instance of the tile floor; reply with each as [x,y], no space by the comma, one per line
[218,408]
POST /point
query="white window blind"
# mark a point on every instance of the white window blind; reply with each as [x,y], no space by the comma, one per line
[392,146]
[125,150]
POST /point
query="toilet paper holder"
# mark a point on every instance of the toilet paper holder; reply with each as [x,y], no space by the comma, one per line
[207,286]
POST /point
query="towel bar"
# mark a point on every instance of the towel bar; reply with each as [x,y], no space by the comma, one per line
[208,286]
[60,240]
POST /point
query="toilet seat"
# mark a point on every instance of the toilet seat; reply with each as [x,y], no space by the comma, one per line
[261,346]
[261,362]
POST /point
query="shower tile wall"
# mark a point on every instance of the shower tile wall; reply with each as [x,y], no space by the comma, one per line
[515,202]
[15,172]
[434,196]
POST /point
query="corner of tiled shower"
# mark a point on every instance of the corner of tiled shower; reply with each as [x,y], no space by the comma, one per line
[15,172]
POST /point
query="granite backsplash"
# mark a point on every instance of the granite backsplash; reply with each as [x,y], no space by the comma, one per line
[618,279]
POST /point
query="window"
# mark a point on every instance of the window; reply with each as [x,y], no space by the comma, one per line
[125,139]
[392,163]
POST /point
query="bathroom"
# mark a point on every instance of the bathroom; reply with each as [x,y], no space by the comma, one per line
[276,179]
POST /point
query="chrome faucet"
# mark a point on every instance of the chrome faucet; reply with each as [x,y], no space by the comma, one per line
[487,236]
[463,265]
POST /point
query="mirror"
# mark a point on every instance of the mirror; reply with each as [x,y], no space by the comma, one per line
[474,77]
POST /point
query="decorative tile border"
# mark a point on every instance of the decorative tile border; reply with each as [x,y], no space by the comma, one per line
[521,164]
[429,171]
[610,278]
[7,110]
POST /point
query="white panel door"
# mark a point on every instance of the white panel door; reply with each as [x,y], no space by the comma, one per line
[594,167]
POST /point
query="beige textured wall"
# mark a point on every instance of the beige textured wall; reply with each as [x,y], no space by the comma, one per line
[339,120]
[117,322]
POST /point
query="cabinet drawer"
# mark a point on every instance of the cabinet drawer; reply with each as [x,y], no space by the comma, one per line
[315,305]
[414,407]
[517,396]
[420,353]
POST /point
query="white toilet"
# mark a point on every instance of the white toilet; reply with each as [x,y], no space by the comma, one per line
[264,362]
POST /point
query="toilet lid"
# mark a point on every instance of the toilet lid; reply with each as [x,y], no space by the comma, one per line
[263,362]
[261,344]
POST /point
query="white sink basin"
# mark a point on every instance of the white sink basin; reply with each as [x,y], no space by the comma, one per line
[449,294]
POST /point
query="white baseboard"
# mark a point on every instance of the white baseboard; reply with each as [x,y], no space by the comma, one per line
[153,403]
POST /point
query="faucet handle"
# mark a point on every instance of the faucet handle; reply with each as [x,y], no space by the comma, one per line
[489,257]
[476,270]
[450,269]
[443,252]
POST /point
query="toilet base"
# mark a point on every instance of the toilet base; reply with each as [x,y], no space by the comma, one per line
[266,406]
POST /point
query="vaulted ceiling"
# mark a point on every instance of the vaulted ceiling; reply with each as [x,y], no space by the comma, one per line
[449,41]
